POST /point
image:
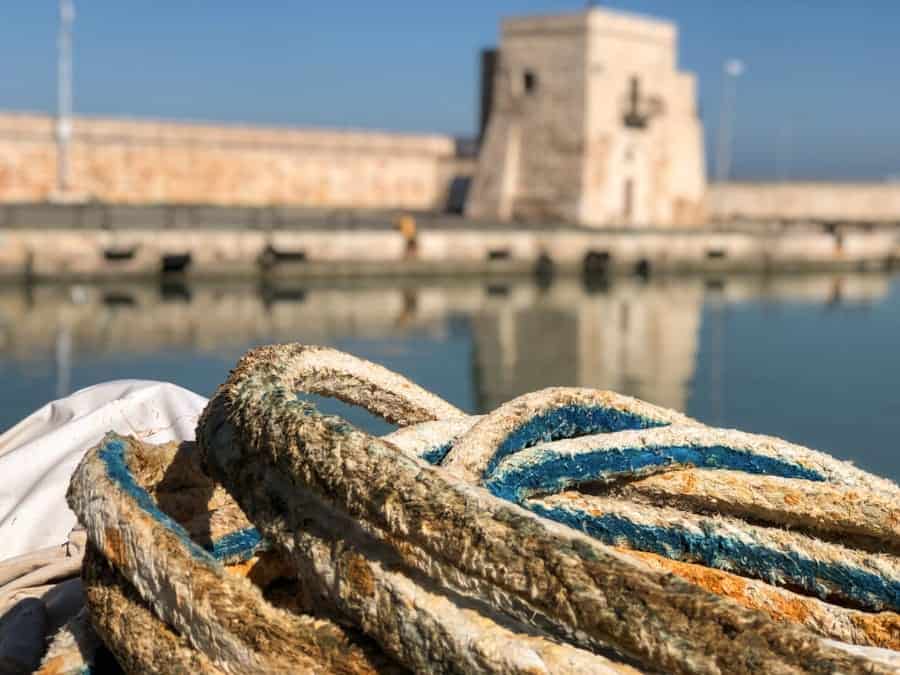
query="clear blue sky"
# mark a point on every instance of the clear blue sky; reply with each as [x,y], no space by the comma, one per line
[823,75]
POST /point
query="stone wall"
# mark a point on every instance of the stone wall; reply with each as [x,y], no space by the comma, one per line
[823,202]
[145,162]
[40,253]
[530,166]
[128,161]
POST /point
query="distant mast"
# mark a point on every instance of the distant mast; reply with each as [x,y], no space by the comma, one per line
[64,96]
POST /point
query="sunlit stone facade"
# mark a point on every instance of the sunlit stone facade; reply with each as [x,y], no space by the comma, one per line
[590,122]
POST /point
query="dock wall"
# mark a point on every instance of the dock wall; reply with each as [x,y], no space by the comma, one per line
[796,202]
[42,253]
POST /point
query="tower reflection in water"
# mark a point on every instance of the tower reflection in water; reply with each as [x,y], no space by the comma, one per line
[666,341]
[635,338]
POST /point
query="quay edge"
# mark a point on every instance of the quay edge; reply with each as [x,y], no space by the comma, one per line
[438,247]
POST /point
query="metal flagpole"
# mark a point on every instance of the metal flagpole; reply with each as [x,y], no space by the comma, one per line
[64,95]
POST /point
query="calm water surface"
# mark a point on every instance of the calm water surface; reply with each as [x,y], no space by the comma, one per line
[813,359]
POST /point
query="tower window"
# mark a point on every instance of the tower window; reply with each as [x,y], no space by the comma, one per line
[635,116]
[530,81]
[628,200]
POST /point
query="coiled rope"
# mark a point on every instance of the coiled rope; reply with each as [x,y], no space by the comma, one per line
[569,530]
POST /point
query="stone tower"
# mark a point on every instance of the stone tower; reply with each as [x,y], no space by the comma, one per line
[590,121]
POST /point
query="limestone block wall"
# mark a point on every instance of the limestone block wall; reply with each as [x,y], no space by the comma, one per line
[658,168]
[685,160]
[828,202]
[128,161]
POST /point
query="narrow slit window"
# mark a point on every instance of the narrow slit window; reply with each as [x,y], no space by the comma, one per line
[530,81]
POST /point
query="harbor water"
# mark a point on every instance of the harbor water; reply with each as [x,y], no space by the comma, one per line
[810,358]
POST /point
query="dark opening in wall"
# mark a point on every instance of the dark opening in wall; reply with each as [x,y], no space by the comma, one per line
[457,194]
[716,253]
[118,299]
[530,81]
[635,117]
[175,262]
[499,254]
[596,263]
[643,268]
[116,254]
[628,200]
[544,270]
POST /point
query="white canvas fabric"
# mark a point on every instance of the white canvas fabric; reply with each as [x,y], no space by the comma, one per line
[39,454]
[40,553]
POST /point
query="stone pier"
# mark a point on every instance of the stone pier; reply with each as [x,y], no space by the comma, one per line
[133,243]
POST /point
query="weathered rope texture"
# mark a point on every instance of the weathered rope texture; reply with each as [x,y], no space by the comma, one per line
[215,615]
[568,531]
[292,470]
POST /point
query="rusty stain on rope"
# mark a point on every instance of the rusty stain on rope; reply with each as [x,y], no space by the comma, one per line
[570,530]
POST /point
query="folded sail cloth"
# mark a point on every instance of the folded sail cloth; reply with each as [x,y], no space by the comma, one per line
[42,451]
[40,553]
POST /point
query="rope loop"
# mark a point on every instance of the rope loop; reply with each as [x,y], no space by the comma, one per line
[570,530]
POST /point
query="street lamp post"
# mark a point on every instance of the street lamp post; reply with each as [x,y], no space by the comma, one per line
[64,96]
[732,70]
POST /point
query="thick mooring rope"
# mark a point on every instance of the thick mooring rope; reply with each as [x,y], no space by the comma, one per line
[570,530]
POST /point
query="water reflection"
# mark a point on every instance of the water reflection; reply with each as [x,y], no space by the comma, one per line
[636,338]
[687,343]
